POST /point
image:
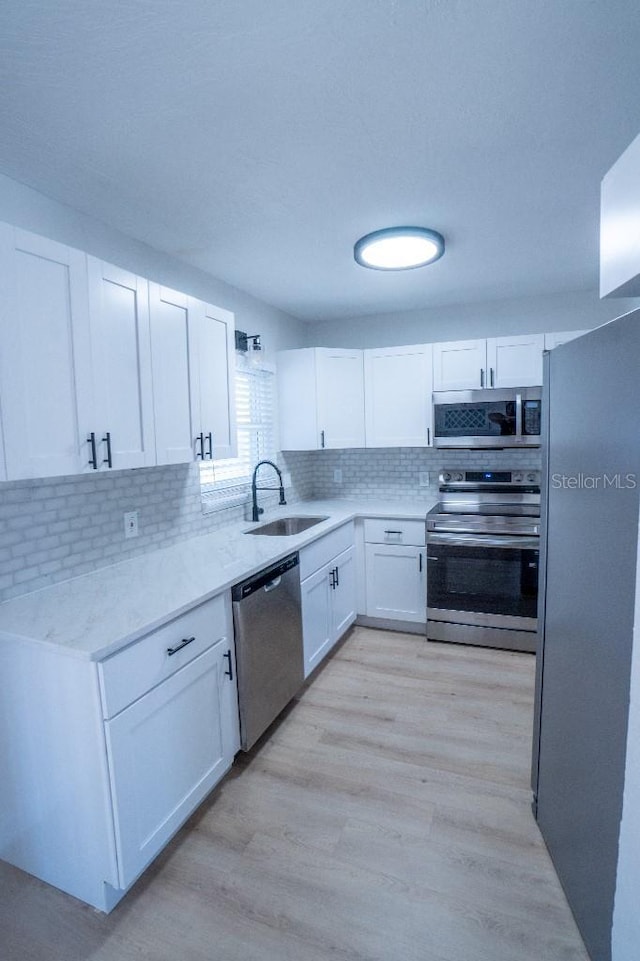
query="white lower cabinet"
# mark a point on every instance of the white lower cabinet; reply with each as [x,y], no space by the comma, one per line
[316,618]
[177,734]
[328,593]
[395,570]
[103,761]
[165,752]
[395,582]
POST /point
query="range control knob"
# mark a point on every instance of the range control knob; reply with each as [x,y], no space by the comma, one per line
[532,478]
[517,478]
[459,476]
[446,476]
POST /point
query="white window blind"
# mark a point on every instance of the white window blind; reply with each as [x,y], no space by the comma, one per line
[225,482]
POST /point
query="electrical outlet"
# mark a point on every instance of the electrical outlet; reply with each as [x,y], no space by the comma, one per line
[423,478]
[337,475]
[131,524]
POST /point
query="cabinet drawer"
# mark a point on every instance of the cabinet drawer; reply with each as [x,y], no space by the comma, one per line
[325,549]
[392,531]
[127,675]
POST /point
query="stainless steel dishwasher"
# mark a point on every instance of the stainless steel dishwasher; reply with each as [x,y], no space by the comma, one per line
[269,658]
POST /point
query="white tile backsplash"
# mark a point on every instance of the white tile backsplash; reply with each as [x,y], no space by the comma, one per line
[395,472]
[58,528]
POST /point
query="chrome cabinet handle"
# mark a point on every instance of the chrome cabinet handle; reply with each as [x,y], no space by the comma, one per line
[200,440]
[420,562]
[481,377]
[322,438]
[428,437]
[183,643]
[337,576]
[332,578]
[210,442]
[93,460]
[491,375]
[107,440]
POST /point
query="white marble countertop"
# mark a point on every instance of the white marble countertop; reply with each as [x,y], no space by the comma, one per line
[97,614]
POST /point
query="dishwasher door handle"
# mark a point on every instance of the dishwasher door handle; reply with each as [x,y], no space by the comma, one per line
[271,586]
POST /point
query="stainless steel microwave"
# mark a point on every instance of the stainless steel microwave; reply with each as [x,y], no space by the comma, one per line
[487,418]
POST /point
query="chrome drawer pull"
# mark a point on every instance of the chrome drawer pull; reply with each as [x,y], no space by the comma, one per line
[178,647]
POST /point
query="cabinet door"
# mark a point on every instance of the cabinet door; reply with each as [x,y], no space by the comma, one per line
[297,408]
[120,342]
[460,365]
[340,397]
[515,361]
[619,220]
[396,582]
[169,323]
[316,618]
[343,594]
[561,337]
[212,345]
[166,751]
[397,396]
[45,356]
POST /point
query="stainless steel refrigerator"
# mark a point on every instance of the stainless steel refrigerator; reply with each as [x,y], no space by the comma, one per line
[588,561]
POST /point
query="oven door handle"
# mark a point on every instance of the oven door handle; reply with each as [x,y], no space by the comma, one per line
[508,542]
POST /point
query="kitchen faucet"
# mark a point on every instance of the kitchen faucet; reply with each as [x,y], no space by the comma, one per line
[256,511]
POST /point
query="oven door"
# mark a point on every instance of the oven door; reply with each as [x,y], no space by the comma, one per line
[492,579]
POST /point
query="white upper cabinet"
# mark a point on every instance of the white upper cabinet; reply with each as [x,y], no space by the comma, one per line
[101,369]
[213,409]
[620,226]
[460,365]
[561,337]
[340,394]
[169,313]
[515,361]
[120,343]
[45,356]
[398,382]
[496,362]
[321,398]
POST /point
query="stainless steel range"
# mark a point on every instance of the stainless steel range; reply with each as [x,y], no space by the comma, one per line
[482,554]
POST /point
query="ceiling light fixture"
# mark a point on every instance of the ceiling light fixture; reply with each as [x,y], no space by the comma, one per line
[399,248]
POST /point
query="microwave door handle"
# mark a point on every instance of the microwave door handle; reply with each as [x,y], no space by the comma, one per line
[518,415]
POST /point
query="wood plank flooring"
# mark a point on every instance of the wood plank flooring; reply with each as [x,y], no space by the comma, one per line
[385,818]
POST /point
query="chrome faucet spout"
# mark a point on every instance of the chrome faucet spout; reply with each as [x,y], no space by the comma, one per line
[256,511]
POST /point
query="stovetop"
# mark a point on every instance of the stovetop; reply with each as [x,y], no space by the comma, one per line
[489,502]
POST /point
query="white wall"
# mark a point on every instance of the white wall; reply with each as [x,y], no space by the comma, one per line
[24,207]
[626,916]
[571,311]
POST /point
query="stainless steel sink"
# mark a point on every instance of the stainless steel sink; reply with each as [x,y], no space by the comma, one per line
[286,526]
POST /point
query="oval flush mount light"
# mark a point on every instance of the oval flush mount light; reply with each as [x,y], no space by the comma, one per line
[399,248]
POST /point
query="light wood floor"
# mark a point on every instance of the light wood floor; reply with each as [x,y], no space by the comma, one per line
[386,818]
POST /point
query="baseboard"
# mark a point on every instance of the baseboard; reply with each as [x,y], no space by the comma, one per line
[386,624]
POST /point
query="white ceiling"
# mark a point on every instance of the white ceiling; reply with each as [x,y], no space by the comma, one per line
[258,139]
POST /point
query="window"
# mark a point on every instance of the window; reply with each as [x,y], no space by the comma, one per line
[226,482]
